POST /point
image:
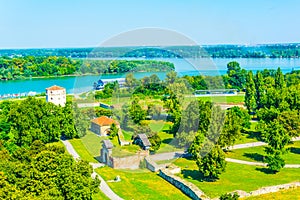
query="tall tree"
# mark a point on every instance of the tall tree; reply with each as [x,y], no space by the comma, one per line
[279,80]
[250,101]
[260,90]
[136,112]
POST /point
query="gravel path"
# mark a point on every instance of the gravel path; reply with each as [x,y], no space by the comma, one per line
[103,185]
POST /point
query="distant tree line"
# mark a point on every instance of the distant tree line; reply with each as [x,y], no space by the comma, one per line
[215,51]
[32,66]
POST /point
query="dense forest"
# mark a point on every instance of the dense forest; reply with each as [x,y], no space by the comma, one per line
[291,50]
[33,164]
[37,66]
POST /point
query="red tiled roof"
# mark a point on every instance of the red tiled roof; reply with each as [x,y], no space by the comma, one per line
[104,121]
[55,87]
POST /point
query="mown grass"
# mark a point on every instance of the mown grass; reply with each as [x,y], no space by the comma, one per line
[140,184]
[237,99]
[293,193]
[167,139]
[99,196]
[256,154]
[236,177]
[88,147]
[249,135]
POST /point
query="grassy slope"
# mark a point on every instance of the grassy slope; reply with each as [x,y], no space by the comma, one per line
[257,153]
[236,177]
[140,184]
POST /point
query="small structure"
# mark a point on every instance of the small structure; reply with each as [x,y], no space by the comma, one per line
[99,85]
[56,94]
[143,141]
[106,152]
[216,92]
[101,125]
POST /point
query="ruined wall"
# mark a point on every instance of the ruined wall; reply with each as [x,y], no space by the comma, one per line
[129,162]
[187,188]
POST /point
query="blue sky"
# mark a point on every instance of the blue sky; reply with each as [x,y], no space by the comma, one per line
[85,23]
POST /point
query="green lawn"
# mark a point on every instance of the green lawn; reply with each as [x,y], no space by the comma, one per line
[167,142]
[88,147]
[249,135]
[257,154]
[236,177]
[224,99]
[140,184]
[293,193]
[127,135]
[99,196]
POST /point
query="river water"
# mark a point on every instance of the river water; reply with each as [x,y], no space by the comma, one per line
[203,66]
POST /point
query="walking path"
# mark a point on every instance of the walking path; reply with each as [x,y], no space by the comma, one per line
[103,185]
[258,163]
[178,154]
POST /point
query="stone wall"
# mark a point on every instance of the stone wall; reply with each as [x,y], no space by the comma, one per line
[151,165]
[129,162]
[187,188]
[266,190]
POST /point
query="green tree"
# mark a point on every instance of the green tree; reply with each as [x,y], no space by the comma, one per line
[229,196]
[277,138]
[236,75]
[250,101]
[113,132]
[136,112]
[279,80]
[212,164]
[231,131]
[260,96]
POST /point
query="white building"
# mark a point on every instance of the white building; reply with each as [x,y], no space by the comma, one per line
[56,95]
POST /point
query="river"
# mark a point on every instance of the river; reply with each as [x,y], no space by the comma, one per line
[203,66]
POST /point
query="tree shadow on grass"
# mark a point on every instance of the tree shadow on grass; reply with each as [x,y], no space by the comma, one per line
[252,135]
[294,150]
[195,175]
[255,156]
[265,170]
[167,141]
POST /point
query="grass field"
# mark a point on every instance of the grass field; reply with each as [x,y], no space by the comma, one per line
[140,184]
[249,135]
[88,147]
[167,139]
[236,177]
[257,154]
[224,99]
[291,194]
[99,196]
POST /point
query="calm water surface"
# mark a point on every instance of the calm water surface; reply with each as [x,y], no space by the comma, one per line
[183,67]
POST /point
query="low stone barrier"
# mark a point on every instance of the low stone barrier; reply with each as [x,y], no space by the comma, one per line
[187,188]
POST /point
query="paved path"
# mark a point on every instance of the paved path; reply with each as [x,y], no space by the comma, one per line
[166,156]
[86,105]
[258,163]
[178,154]
[255,144]
[103,185]
[70,149]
